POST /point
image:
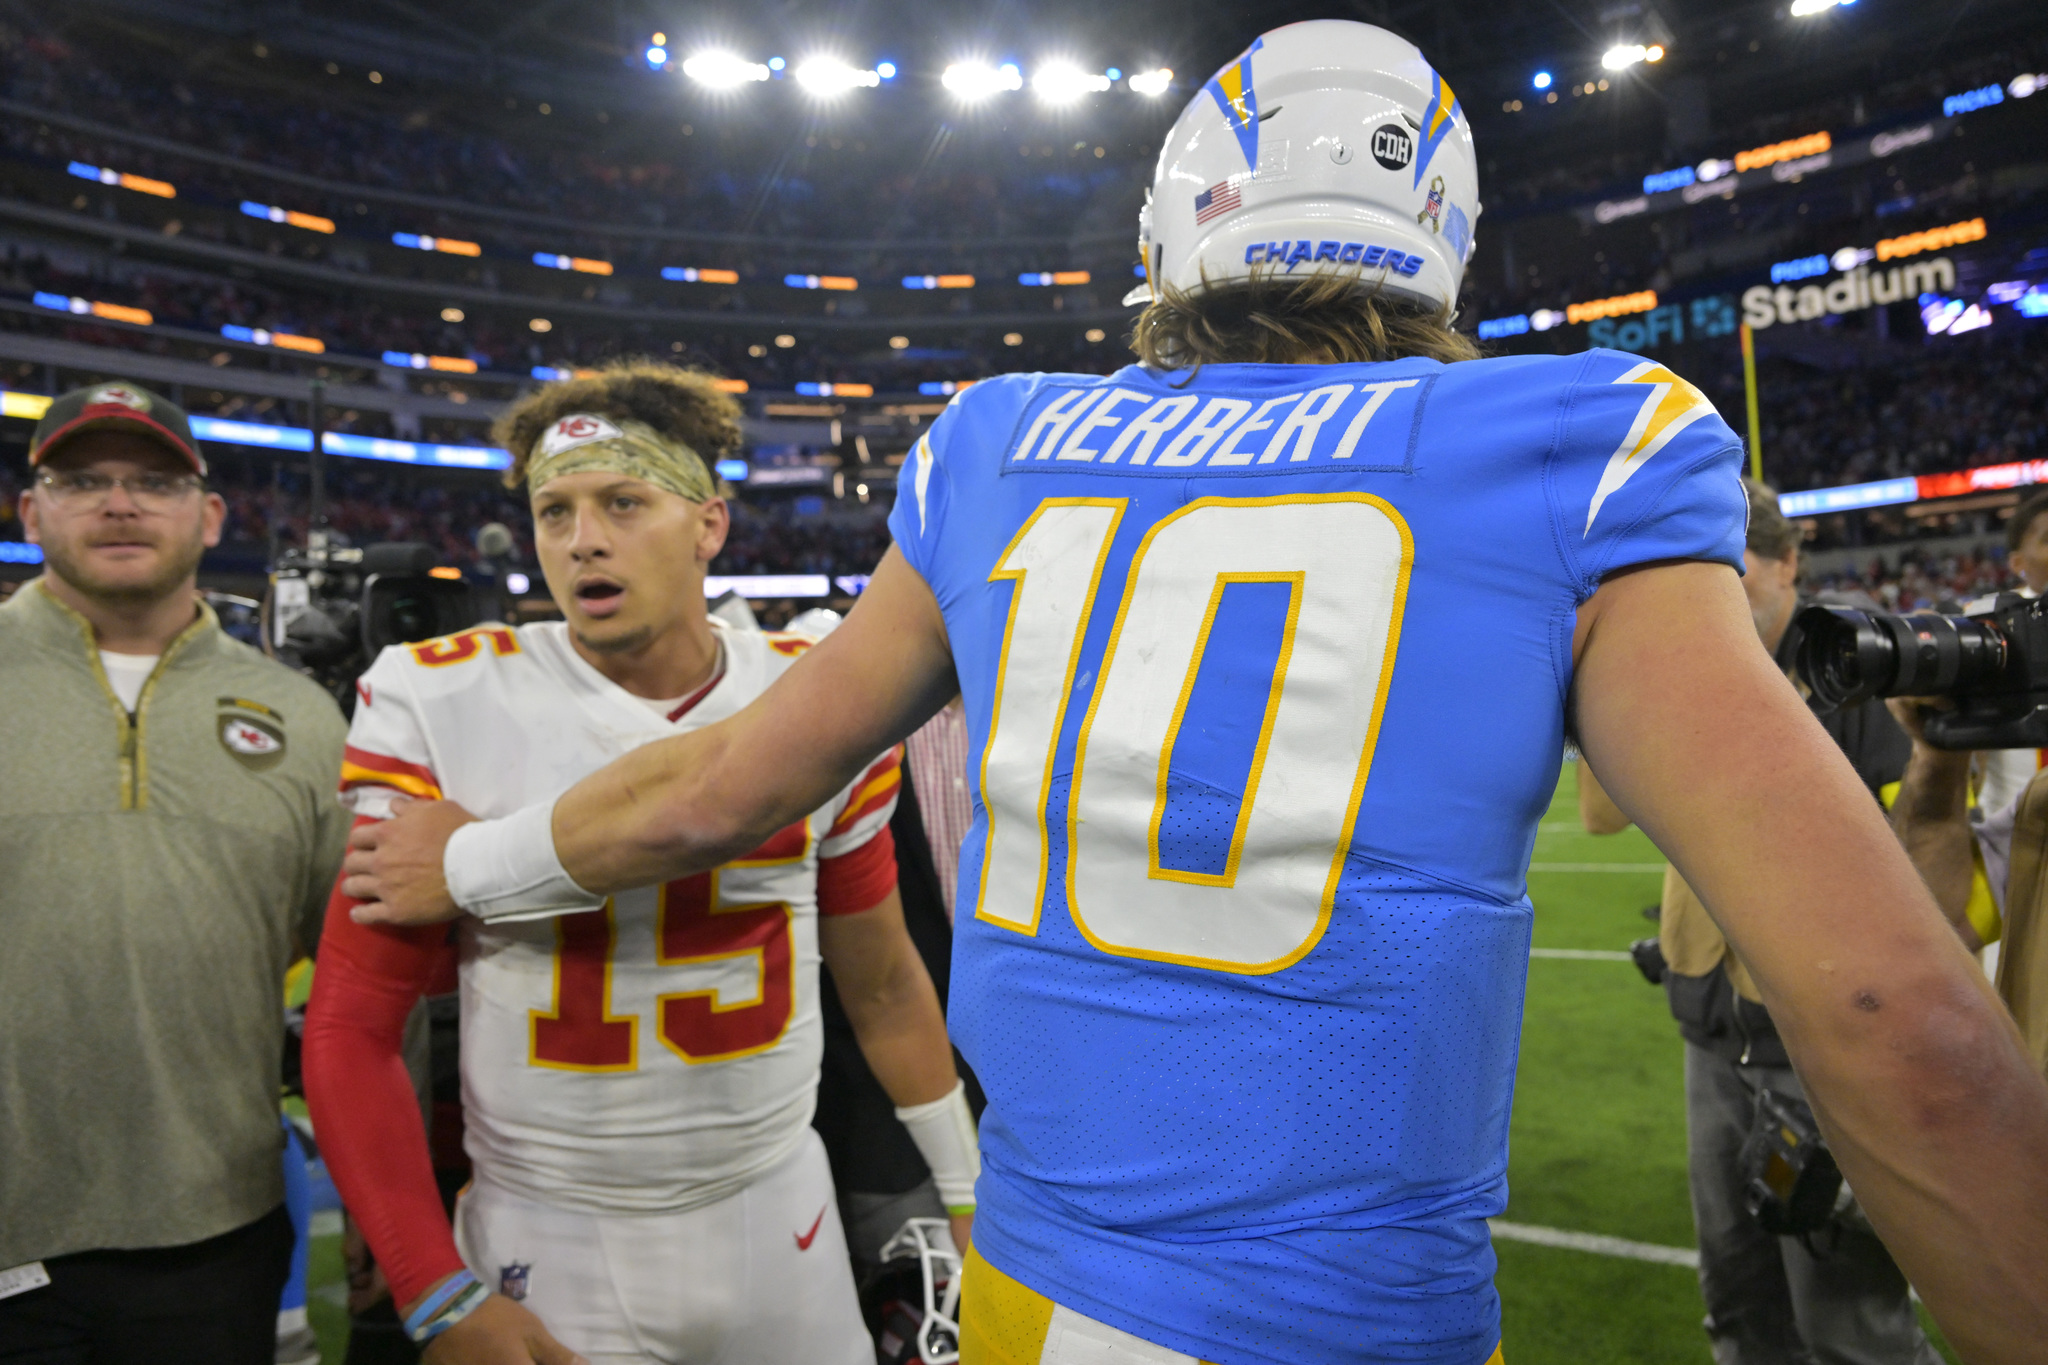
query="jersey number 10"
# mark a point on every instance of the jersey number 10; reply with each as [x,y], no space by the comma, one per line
[1169,855]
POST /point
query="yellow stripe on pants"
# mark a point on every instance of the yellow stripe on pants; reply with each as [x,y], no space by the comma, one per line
[1003,1322]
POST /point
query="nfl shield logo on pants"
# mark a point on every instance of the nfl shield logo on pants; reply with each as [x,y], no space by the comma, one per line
[512,1280]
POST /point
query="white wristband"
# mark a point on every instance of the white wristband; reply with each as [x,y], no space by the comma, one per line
[944,1133]
[507,869]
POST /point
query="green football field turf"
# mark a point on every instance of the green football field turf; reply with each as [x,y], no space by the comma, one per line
[1597,1143]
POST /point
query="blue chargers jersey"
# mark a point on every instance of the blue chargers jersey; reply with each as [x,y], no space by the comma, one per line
[1265,675]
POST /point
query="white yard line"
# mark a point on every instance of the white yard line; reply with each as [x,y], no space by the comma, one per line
[1596,867]
[1595,1243]
[325,1223]
[1581,954]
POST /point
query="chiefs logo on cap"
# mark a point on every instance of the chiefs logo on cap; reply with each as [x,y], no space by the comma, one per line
[117,393]
[578,428]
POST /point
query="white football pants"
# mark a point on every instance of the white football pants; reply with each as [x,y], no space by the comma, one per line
[759,1278]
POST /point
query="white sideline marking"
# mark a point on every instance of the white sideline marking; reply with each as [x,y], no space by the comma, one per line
[325,1223]
[1595,1243]
[1596,867]
[1581,954]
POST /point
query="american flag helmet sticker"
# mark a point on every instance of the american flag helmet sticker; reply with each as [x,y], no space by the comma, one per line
[1215,201]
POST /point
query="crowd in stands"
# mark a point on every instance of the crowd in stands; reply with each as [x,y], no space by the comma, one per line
[363,325]
[1954,403]
[1920,582]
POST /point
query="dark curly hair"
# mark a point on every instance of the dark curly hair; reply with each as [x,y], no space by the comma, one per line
[1320,319]
[685,405]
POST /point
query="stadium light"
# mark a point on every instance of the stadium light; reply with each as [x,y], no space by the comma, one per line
[722,70]
[978,80]
[886,70]
[1623,55]
[1153,82]
[1063,83]
[830,76]
[1541,80]
[1804,9]
[657,56]
[1654,52]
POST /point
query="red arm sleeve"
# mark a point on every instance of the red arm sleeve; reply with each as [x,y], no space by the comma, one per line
[857,880]
[364,1112]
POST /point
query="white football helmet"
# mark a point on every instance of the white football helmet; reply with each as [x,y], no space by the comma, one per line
[1328,145]
[929,1241]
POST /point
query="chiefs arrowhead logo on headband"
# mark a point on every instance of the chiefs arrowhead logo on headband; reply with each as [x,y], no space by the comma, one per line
[584,441]
[577,429]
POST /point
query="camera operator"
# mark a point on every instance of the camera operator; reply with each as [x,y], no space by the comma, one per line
[1986,873]
[167,815]
[1836,1296]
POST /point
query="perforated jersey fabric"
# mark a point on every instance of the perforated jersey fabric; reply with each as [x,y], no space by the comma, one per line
[1265,676]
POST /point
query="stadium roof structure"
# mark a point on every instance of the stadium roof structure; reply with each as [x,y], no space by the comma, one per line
[574,77]
[565,49]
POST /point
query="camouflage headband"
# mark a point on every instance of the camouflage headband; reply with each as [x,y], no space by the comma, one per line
[584,441]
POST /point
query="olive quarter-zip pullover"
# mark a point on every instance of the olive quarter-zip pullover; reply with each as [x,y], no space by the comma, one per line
[153,870]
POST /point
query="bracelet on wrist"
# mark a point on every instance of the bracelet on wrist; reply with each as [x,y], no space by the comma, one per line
[454,1299]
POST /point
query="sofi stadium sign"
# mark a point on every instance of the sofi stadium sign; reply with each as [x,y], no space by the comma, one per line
[1852,291]
[1858,286]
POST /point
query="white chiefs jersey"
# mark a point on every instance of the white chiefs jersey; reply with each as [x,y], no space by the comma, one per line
[655,1055]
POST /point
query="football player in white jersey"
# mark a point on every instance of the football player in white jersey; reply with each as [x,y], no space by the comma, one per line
[638,1080]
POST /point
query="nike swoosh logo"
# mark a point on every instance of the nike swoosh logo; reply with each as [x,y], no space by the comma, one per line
[804,1239]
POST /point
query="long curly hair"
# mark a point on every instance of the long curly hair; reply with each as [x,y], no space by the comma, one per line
[1321,319]
[685,405]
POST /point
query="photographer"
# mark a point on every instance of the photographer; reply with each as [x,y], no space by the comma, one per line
[1835,1295]
[167,802]
[1986,873]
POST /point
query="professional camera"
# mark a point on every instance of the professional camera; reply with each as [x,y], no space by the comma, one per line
[1992,662]
[332,608]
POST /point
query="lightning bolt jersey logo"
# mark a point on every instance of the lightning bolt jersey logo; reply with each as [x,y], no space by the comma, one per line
[1670,406]
[1231,88]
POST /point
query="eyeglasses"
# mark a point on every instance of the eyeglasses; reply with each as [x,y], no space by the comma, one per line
[87,490]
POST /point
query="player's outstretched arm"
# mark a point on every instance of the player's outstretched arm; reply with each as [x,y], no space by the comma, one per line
[687,804]
[1935,1113]
[683,805]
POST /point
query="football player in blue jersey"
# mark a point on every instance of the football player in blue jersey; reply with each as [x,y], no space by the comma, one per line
[1269,646]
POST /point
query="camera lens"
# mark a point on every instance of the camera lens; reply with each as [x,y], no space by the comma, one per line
[1848,656]
[1844,654]
[412,618]
[1945,654]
